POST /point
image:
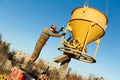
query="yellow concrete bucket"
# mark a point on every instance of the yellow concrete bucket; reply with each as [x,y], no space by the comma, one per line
[87,24]
[87,19]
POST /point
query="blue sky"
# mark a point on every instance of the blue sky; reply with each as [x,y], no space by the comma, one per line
[22,21]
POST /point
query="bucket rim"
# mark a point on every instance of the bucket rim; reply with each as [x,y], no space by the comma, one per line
[92,8]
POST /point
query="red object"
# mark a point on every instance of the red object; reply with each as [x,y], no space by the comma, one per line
[17,74]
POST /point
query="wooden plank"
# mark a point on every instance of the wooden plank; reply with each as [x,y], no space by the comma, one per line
[64,69]
[61,58]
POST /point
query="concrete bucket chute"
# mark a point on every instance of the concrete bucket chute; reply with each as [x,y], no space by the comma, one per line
[87,24]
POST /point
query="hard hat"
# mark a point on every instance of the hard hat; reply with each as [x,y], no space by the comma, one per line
[54,26]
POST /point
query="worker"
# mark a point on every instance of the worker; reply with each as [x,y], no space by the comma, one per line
[47,32]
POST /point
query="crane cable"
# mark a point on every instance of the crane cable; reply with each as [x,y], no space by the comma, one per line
[106,10]
[86,3]
[106,7]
